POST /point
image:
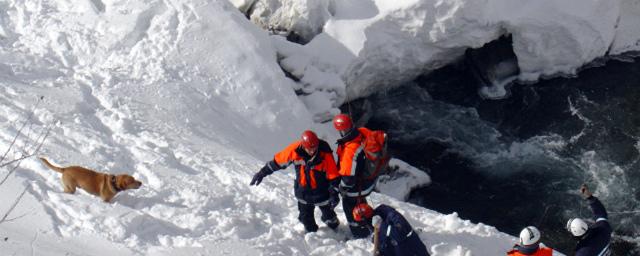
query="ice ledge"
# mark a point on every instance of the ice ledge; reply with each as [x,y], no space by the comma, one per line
[390,44]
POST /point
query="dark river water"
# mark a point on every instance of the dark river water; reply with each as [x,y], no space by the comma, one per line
[520,160]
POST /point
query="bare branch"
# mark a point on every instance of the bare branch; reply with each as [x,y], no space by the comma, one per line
[42,137]
[18,217]
[20,130]
[37,143]
[33,241]
[9,173]
[13,206]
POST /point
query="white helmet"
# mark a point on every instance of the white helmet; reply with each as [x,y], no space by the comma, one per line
[529,236]
[577,226]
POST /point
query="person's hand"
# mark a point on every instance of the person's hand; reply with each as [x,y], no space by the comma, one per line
[257,178]
[584,191]
[343,190]
[376,220]
[334,198]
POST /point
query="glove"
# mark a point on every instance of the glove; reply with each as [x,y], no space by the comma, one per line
[257,178]
[376,220]
[343,190]
[584,191]
[334,197]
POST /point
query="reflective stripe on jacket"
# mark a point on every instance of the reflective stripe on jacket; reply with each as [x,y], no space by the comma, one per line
[352,162]
[542,251]
[313,173]
[396,236]
[349,150]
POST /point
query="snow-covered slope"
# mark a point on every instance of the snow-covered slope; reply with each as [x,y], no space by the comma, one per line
[391,42]
[188,97]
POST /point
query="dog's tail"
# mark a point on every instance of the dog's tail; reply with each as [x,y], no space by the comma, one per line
[53,167]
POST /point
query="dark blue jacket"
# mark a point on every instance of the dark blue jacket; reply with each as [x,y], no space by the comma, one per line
[596,241]
[396,236]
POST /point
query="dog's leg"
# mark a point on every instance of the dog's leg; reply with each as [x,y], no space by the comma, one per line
[69,184]
[106,199]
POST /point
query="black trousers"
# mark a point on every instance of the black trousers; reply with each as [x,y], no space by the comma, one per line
[357,230]
[305,215]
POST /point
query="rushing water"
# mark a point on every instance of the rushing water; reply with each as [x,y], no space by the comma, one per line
[519,161]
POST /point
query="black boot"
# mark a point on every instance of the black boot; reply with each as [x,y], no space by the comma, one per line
[329,217]
[306,217]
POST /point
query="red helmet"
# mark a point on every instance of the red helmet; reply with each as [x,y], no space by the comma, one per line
[309,140]
[342,122]
[362,211]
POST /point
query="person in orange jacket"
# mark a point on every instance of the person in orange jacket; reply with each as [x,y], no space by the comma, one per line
[352,163]
[316,175]
[529,244]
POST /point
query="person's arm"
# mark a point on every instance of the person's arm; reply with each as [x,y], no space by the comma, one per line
[332,175]
[348,165]
[599,212]
[281,160]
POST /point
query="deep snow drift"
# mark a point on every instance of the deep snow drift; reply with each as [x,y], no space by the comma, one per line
[188,97]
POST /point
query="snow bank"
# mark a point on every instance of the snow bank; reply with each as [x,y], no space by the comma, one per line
[391,43]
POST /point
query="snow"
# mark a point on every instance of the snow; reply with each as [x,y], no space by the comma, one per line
[402,180]
[627,37]
[189,97]
[392,42]
[186,96]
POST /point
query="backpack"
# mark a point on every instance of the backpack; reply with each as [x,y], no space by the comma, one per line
[375,149]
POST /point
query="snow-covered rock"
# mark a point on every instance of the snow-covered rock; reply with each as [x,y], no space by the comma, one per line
[393,42]
[305,17]
[403,179]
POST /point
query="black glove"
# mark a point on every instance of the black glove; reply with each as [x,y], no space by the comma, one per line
[257,178]
[334,197]
[343,190]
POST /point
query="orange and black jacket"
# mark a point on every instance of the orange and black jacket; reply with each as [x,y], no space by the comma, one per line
[314,174]
[352,163]
[539,251]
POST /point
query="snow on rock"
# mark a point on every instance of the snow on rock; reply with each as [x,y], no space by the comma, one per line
[391,43]
[402,180]
[551,37]
[318,84]
[305,17]
[627,37]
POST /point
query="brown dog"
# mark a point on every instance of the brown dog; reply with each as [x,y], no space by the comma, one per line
[104,185]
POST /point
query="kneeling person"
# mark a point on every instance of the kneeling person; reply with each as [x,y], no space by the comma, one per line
[316,176]
[393,235]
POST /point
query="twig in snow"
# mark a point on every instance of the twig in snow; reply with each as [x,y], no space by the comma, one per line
[39,141]
[15,138]
[13,206]
[33,242]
